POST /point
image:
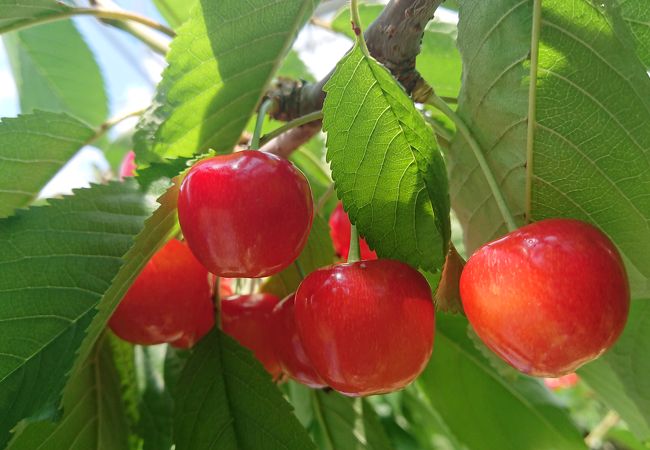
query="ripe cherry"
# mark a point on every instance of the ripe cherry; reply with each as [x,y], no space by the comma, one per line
[548,297]
[168,302]
[128,166]
[246,214]
[247,318]
[340,233]
[288,347]
[366,326]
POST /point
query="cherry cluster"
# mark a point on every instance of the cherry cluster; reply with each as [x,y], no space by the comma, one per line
[547,297]
[361,328]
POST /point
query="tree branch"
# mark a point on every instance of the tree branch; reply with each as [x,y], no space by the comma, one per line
[393,39]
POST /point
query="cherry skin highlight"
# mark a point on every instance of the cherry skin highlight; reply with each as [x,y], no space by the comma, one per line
[548,297]
[247,318]
[340,233]
[289,348]
[245,215]
[368,326]
[169,301]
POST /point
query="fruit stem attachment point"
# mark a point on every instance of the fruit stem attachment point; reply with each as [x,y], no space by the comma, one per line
[354,253]
[356,27]
[462,128]
[264,109]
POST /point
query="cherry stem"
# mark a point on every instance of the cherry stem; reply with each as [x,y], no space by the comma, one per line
[356,27]
[464,130]
[353,252]
[264,108]
[295,123]
[299,268]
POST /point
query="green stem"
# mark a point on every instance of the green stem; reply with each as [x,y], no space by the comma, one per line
[261,114]
[353,252]
[439,129]
[110,123]
[95,12]
[295,123]
[532,103]
[437,102]
[300,270]
[356,25]
[329,444]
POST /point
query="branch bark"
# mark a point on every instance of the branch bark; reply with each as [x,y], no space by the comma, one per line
[393,39]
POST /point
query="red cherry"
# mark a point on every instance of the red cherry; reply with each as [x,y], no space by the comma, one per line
[247,318]
[340,233]
[246,214]
[367,326]
[548,297]
[128,166]
[289,349]
[168,302]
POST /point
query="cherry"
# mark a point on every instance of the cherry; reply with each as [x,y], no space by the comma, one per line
[288,347]
[169,301]
[246,214]
[247,318]
[366,326]
[128,166]
[340,233]
[548,297]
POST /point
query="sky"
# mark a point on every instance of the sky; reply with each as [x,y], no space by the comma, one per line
[131,71]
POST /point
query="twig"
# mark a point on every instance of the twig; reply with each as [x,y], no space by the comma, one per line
[100,13]
[595,438]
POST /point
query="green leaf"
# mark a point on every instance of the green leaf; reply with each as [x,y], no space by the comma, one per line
[55,70]
[94,415]
[439,61]
[32,150]
[484,410]
[620,377]
[175,12]
[637,16]
[219,65]
[57,263]
[343,423]
[386,164]
[156,404]
[23,12]
[226,400]
[590,158]
[294,67]
[317,253]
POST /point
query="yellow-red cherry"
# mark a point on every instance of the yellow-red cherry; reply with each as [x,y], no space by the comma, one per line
[368,326]
[548,297]
[169,302]
[289,348]
[248,319]
[246,214]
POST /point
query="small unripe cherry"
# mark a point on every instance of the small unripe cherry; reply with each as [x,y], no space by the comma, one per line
[340,232]
[367,327]
[247,318]
[169,301]
[246,214]
[548,297]
[128,166]
[289,348]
